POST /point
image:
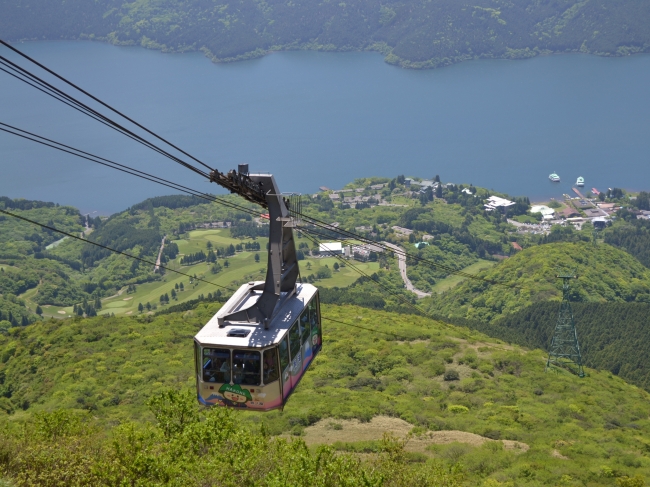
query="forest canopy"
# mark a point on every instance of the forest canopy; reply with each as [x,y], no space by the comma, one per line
[411,33]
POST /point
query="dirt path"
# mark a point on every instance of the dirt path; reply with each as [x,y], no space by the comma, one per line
[328,431]
[401,262]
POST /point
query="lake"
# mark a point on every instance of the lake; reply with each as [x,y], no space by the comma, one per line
[322,119]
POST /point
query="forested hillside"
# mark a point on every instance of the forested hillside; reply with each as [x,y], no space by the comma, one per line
[612,336]
[88,400]
[605,274]
[411,33]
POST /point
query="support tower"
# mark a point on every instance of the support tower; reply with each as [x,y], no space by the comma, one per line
[565,350]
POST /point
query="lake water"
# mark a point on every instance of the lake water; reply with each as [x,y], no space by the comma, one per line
[317,119]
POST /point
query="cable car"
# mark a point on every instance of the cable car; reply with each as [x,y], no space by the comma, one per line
[254,351]
[249,366]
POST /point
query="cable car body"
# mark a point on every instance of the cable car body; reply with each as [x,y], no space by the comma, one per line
[254,351]
[245,365]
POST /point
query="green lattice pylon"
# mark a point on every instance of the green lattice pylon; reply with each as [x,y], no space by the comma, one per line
[565,349]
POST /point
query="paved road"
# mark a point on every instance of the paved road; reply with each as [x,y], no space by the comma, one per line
[162,246]
[401,262]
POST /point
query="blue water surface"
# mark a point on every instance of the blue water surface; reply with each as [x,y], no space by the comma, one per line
[317,119]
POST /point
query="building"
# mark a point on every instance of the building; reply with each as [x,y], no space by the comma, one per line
[547,213]
[331,248]
[334,197]
[494,203]
[599,222]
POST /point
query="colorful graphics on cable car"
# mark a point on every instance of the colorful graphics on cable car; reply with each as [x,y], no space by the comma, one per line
[259,379]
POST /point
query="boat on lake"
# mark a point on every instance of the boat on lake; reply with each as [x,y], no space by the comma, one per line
[580,181]
[554,177]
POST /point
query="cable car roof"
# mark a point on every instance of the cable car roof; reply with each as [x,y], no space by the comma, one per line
[234,334]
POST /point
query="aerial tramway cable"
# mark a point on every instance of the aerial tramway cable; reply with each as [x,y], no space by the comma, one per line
[102,103]
[33,80]
[120,167]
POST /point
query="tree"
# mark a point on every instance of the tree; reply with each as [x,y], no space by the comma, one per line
[308,265]
[226,263]
[182,288]
[257,257]
[439,191]
[208,245]
[39,311]
[148,306]
[336,266]
[176,286]
[140,307]
[173,293]
[437,179]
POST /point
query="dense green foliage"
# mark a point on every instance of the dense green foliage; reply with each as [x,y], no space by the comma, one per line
[187,446]
[120,369]
[612,336]
[412,33]
[606,274]
[633,237]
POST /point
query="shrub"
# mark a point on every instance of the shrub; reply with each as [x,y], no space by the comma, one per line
[401,373]
[457,409]
[451,374]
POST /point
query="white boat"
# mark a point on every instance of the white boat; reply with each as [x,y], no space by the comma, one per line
[580,181]
[554,177]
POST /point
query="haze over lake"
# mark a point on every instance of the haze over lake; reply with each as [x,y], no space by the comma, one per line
[317,119]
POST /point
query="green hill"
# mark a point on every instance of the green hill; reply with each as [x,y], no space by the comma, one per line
[412,33]
[522,426]
[605,274]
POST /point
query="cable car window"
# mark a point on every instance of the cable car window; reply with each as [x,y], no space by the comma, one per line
[304,326]
[246,367]
[313,315]
[271,372]
[216,365]
[284,353]
[294,340]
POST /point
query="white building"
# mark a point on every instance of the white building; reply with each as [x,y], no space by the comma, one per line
[547,213]
[494,202]
[331,248]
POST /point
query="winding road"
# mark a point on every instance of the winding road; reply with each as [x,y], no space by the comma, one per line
[401,262]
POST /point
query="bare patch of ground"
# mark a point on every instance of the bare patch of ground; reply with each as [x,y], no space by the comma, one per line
[61,312]
[127,299]
[328,431]
[557,454]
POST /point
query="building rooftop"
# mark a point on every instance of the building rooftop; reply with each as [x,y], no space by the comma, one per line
[335,247]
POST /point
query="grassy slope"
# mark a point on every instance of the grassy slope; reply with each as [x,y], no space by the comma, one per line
[606,274]
[453,280]
[113,365]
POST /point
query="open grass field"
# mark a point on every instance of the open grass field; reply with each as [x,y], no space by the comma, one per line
[451,281]
[341,278]
[198,240]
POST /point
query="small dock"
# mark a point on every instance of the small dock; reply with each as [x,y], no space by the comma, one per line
[580,195]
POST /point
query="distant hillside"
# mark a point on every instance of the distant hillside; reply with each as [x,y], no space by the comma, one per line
[411,33]
[558,429]
[612,336]
[605,274]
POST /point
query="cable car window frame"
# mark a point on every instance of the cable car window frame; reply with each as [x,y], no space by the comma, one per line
[244,374]
[294,339]
[305,328]
[227,374]
[270,352]
[285,342]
